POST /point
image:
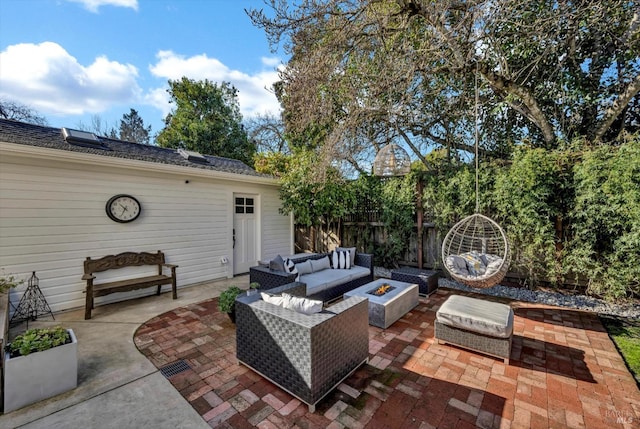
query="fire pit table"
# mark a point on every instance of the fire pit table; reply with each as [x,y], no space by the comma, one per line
[396,301]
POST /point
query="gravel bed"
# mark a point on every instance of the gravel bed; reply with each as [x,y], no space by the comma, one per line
[579,302]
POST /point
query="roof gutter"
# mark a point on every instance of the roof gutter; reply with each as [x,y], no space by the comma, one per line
[132,164]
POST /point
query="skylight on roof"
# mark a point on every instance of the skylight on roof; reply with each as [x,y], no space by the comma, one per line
[193,156]
[77,136]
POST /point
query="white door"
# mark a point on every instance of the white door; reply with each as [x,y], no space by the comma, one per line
[244,233]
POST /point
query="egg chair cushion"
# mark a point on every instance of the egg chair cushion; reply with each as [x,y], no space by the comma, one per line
[472,265]
[475,264]
[457,264]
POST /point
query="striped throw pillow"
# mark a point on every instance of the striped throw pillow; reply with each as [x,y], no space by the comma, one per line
[290,267]
[340,260]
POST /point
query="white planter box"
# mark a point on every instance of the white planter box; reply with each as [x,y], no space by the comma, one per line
[40,375]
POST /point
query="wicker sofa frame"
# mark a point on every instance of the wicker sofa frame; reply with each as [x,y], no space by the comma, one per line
[268,278]
[305,355]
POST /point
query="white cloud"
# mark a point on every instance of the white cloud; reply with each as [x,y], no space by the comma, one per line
[94,5]
[271,62]
[254,90]
[47,78]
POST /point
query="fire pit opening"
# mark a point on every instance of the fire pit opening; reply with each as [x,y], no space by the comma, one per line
[381,290]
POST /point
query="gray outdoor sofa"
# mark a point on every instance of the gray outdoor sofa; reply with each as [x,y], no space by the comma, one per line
[306,355]
[325,285]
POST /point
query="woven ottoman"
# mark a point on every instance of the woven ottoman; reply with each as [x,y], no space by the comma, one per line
[477,325]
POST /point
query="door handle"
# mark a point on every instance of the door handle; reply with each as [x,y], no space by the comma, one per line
[234,238]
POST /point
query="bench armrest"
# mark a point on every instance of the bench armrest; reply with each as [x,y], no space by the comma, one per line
[170,265]
[88,277]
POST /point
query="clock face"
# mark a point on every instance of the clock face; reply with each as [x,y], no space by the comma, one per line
[123,208]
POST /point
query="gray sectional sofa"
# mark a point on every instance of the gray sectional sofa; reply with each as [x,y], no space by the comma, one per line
[325,283]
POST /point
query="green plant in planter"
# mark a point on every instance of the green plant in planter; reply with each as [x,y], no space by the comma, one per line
[8,282]
[254,285]
[38,339]
[227,300]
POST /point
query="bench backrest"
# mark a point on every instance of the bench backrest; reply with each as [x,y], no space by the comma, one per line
[122,260]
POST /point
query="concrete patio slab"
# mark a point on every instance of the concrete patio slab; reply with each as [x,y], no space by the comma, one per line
[110,367]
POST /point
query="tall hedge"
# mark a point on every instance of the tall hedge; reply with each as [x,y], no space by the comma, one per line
[605,220]
[570,215]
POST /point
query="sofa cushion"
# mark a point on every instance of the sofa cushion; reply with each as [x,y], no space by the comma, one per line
[272,299]
[304,267]
[357,272]
[477,315]
[321,280]
[320,264]
[301,305]
[277,263]
[352,253]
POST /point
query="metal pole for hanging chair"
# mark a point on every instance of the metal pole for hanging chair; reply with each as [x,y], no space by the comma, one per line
[476,233]
[477,99]
[420,216]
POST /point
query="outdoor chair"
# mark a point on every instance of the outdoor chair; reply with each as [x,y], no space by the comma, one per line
[305,355]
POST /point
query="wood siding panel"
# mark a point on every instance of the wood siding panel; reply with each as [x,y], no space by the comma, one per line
[277,237]
[52,216]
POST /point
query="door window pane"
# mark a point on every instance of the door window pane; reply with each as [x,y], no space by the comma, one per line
[244,205]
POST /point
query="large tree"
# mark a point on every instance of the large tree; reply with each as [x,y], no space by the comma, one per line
[132,128]
[364,72]
[206,119]
[267,132]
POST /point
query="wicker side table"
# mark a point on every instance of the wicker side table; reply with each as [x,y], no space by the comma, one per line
[426,280]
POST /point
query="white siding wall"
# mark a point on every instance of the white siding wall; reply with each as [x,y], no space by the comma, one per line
[277,231]
[52,216]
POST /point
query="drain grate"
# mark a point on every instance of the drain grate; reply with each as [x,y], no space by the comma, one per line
[174,368]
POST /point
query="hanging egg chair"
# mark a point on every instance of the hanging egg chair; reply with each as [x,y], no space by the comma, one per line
[476,250]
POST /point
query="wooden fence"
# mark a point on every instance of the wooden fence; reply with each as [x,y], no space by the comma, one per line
[367,237]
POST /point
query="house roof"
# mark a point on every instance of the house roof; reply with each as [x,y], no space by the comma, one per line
[52,138]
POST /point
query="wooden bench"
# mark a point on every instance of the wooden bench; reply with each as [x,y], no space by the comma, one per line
[124,260]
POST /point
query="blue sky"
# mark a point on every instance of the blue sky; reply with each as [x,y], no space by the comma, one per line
[71,60]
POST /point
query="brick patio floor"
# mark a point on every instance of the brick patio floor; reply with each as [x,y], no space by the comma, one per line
[564,372]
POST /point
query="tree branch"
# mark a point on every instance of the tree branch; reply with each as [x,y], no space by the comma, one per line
[413,147]
[533,112]
[616,108]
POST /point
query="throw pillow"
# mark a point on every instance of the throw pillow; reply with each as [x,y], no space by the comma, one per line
[301,305]
[272,299]
[304,267]
[277,263]
[352,253]
[474,263]
[494,262]
[457,265]
[340,260]
[320,264]
[290,267]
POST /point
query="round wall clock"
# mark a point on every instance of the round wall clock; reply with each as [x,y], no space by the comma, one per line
[123,208]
